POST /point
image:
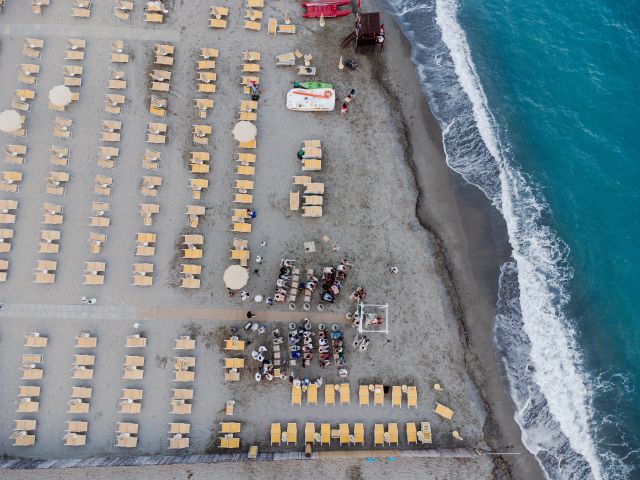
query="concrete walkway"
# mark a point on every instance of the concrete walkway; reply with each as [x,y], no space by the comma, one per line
[106,32]
[116,312]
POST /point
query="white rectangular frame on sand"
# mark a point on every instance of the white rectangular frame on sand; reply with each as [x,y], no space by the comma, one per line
[365,311]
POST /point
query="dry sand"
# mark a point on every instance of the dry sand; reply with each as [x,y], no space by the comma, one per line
[369,208]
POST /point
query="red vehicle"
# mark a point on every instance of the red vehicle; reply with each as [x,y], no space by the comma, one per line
[328,9]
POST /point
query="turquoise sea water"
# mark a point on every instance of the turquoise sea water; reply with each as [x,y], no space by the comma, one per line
[538,102]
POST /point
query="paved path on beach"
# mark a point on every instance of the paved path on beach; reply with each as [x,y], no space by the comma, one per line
[90,31]
[116,312]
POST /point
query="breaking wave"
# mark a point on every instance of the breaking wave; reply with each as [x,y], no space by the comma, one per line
[536,340]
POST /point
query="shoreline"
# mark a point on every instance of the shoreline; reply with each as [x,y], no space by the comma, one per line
[470,245]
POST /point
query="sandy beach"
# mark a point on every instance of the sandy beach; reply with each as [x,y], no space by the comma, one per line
[373,156]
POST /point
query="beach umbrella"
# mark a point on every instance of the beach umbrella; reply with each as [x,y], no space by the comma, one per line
[244,131]
[9,121]
[60,95]
[235,277]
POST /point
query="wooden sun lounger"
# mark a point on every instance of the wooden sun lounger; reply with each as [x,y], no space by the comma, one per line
[119,58]
[217,23]
[250,56]
[80,12]
[137,341]
[286,29]
[275,434]
[207,53]
[85,340]
[154,17]
[251,25]
[253,14]
[272,26]
[206,88]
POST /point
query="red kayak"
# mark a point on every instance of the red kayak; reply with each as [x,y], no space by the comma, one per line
[327,9]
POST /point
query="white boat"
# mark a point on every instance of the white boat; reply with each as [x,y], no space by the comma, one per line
[311,100]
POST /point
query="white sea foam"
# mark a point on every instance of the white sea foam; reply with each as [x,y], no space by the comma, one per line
[539,256]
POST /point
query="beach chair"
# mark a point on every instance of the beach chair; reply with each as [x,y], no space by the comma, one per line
[358,434]
[344,434]
[253,14]
[85,340]
[363,395]
[81,392]
[205,65]
[250,56]
[309,432]
[325,434]
[23,439]
[80,12]
[306,71]
[243,198]
[424,435]
[313,165]
[412,434]
[286,59]
[95,242]
[392,432]
[312,211]
[292,433]
[73,55]
[396,396]
[329,394]
[275,434]
[272,26]
[378,395]
[412,397]
[444,412]
[254,3]
[296,395]
[208,53]
[287,29]
[344,394]
[178,441]
[251,25]
[218,23]
[312,394]
[153,17]
[378,435]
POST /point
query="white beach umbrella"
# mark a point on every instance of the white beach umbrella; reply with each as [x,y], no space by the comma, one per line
[235,277]
[60,95]
[9,121]
[244,131]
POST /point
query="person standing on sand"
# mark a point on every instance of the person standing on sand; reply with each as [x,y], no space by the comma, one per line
[343,109]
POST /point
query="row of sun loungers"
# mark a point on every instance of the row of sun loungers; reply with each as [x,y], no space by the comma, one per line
[7,217]
[131,397]
[24,432]
[245,163]
[313,200]
[182,398]
[81,372]
[345,435]
[364,392]
[45,271]
[108,153]
[199,164]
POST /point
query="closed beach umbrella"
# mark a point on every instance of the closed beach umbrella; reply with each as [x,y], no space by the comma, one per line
[60,95]
[244,131]
[235,277]
[9,121]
